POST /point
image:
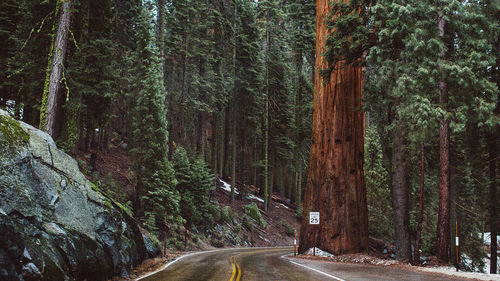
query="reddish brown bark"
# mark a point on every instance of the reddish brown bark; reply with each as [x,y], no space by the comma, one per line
[400,198]
[493,202]
[335,182]
[443,227]
[416,252]
[494,164]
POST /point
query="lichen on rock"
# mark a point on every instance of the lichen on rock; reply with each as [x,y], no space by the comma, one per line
[54,225]
[12,135]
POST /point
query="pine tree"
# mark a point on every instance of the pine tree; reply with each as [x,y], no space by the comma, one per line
[55,69]
[248,82]
[195,183]
[405,63]
[301,21]
[25,28]
[155,176]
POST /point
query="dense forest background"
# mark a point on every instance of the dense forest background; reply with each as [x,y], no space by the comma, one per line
[194,89]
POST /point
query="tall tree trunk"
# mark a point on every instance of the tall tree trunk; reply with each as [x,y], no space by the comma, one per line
[255,157]
[443,227]
[494,166]
[416,252]
[227,124]
[493,213]
[220,143]
[202,134]
[298,199]
[298,124]
[273,178]
[50,104]
[233,158]
[400,198]
[266,121]
[335,182]
[494,222]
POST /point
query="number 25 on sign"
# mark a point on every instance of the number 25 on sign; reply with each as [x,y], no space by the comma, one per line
[313,217]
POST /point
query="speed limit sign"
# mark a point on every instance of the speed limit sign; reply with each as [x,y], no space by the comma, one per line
[313,217]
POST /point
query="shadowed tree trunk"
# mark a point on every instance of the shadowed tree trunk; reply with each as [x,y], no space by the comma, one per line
[416,252]
[494,166]
[266,121]
[493,149]
[335,182]
[400,199]
[443,227]
[50,104]
[493,214]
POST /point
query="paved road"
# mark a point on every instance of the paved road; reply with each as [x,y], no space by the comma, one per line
[269,264]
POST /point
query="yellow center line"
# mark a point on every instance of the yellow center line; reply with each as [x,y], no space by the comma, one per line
[236,267]
[239,272]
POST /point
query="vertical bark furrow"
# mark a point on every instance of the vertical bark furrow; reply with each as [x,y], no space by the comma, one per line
[335,184]
[57,67]
[443,227]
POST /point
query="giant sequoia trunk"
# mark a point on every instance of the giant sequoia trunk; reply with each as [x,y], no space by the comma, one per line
[52,86]
[335,182]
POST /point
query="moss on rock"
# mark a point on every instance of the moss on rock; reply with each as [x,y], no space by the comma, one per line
[12,136]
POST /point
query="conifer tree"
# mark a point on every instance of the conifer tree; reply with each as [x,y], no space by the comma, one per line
[249,80]
[25,27]
[403,48]
[301,25]
[55,69]
[154,173]
[195,183]
[335,181]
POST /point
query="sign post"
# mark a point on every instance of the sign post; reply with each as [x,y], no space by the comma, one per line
[295,243]
[456,240]
[314,219]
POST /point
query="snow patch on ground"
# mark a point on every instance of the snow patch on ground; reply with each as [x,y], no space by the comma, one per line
[251,196]
[452,271]
[227,187]
[319,253]
[264,238]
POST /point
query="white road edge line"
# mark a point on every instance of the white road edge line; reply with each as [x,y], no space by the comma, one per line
[313,269]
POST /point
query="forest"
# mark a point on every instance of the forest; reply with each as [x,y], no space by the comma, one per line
[194,90]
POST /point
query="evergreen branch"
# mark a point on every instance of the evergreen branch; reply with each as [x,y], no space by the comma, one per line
[470,211]
[38,30]
[474,178]
[74,40]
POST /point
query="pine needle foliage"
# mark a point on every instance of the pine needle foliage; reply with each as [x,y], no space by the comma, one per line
[155,176]
[195,184]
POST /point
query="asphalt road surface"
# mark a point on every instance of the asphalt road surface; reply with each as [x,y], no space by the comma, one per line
[271,264]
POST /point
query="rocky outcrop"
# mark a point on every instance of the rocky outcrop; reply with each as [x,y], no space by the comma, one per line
[54,224]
